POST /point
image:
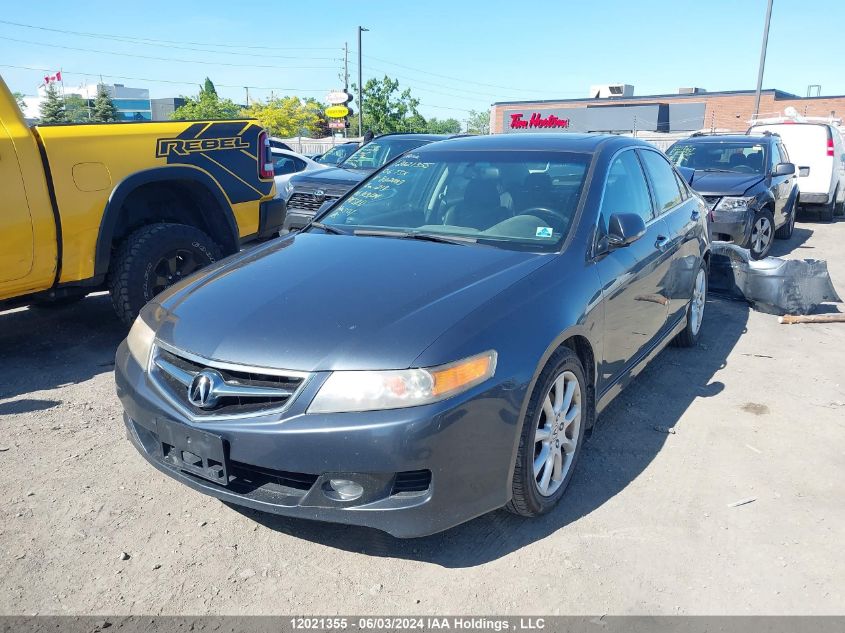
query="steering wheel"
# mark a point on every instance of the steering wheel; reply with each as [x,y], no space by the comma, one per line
[545,213]
[743,169]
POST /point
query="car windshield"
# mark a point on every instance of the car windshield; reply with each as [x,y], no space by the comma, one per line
[525,200]
[336,154]
[738,157]
[378,152]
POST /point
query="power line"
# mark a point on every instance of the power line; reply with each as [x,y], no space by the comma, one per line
[167,59]
[130,38]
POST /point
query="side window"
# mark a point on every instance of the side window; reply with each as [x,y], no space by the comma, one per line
[298,164]
[667,192]
[682,186]
[776,157]
[626,190]
[283,166]
[783,153]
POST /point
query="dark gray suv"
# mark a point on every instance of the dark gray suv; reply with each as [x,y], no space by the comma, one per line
[748,183]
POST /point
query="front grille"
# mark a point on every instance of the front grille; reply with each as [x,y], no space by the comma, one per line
[308,202]
[712,201]
[244,390]
[411,481]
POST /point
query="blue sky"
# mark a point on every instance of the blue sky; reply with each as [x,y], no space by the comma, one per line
[455,56]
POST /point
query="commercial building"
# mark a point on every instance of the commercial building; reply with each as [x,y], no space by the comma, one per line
[614,108]
[133,104]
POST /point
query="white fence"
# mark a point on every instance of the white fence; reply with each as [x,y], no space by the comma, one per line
[305,145]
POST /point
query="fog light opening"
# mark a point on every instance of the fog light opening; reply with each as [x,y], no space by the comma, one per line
[345,489]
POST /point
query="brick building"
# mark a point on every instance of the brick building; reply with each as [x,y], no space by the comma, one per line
[689,110]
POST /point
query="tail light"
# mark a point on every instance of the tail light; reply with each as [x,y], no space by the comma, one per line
[829,143]
[265,157]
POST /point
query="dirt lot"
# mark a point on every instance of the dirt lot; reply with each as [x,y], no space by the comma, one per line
[647,526]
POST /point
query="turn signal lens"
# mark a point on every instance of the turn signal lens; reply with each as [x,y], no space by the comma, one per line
[346,391]
[466,372]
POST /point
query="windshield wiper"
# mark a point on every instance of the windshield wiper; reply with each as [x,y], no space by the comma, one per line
[412,235]
[328,228]
[723,171]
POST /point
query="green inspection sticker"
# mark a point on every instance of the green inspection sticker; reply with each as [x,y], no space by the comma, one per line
[544,231]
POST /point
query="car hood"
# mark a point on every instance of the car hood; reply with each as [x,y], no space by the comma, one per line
[331,177]
[710,183]
[313,302]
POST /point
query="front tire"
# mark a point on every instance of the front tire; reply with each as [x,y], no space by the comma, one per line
[553,431]
[153,258]
[695,311]
[762,234]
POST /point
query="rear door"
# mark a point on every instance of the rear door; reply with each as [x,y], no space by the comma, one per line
[681,212]
[16,236]
[633,277]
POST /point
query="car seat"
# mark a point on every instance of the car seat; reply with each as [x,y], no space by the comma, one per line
[480,209]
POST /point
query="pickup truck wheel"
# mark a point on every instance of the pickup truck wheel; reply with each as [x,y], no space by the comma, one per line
[553,432]
[151,259]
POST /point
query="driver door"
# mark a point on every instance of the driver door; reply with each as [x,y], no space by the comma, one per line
[16,237]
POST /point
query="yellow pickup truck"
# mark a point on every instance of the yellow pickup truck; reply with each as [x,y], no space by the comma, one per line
[131,207]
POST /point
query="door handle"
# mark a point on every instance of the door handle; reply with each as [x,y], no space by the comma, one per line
[661,242]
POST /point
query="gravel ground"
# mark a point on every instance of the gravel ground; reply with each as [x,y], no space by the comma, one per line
[650,524]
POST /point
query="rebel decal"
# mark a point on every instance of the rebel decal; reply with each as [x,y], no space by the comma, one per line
[227,151]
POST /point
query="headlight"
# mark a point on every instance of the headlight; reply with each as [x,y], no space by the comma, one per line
[140,342]
[374,390]
[734,204]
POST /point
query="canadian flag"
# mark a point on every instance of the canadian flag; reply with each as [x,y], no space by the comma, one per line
[51,78]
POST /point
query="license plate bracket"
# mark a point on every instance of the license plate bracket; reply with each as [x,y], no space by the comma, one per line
[198,452]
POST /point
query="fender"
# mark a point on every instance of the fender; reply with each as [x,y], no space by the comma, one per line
[792,201]
[111,213]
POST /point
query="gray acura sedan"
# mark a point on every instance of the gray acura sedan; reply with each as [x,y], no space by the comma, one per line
[436,345]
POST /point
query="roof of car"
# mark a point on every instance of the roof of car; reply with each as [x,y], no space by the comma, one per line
[566,141]
[729,138]
[409,135]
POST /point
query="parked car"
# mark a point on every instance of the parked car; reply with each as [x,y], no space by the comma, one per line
[434,357]
[287,163]
[306,193]
[749,185]
[337,154]
[817,148]
[276,143]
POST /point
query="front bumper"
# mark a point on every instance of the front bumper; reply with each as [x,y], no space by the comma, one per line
[271,217]
[730,228]
[282,463]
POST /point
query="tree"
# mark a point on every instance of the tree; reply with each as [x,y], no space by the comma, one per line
[478,122]
[207,105]
[52,108]
[208,87]
[286,116]
[104,108]
[446,126]
[19,99]
[321,128]
[386,109]
[76,109]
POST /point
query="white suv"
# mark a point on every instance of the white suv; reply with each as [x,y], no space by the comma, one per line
[816,147]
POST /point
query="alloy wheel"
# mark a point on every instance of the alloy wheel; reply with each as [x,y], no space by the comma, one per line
[699,299]
[761,235]
[557,433]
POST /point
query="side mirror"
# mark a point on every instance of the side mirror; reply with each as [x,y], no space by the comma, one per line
[783,169]
[803,171]
[624,228]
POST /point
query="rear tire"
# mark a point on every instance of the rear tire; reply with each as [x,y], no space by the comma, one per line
[554,426]
[828,211]
[785,232]
[153,258]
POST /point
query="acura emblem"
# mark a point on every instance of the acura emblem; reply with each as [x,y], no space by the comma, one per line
[201,393]
[320,195]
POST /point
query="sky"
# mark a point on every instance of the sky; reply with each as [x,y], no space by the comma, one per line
[456,55]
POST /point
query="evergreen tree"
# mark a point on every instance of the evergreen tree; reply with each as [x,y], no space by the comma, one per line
[104,108]
[208,87]
[53,107]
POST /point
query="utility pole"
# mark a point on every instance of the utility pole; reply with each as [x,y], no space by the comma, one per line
[247,95]
[346,66]
[762,60]
[361,29]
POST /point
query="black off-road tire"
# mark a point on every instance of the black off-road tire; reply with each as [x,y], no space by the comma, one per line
[132,267]
[527,500]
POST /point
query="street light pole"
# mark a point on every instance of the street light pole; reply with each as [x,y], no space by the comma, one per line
[762,60]
[361,29]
